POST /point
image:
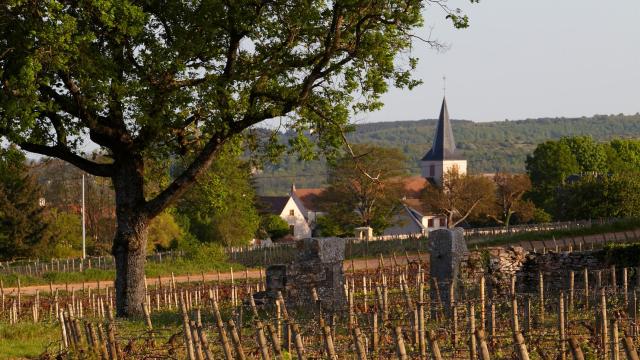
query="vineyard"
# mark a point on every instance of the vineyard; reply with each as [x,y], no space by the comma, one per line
[396,311]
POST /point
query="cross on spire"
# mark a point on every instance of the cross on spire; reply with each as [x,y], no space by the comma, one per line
[444,85]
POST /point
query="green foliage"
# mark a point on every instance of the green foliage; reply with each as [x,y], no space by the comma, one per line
[548,167]
[22,223]
[590,155]
[365,188]
[601,196]
[604,182]
[164,232]
[489,146]
[326,226]
[623,155]
[66,232]
[622,255]
[540,216]
[220,207]
[274,226]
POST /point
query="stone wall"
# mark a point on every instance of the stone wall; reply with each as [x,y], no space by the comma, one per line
[499,265]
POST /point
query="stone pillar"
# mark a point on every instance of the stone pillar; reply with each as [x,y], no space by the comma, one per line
[448,249]
[318,265]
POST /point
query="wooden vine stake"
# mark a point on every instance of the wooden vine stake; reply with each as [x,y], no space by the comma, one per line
[433,345]
[630,349]
[221,330]
[561,325]
[400,349]
[521,347]
[574,344]
[482,344]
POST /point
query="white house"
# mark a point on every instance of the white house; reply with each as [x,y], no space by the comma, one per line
[413,218]
[298,209]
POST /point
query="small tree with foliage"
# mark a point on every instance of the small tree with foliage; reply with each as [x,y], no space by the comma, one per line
[510,191]
[460,197]
[274,226]
[365,187]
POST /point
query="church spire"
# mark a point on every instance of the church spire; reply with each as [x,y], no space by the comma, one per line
[444,146]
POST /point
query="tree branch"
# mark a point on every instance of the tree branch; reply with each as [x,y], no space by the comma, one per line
[475,203]
[203,161]
[63,153]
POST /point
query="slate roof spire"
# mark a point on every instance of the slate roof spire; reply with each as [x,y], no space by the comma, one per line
[444,146]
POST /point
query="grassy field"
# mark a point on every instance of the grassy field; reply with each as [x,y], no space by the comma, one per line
[27,340]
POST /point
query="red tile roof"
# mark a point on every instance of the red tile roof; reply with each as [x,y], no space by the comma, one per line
[309,197]
[413,186]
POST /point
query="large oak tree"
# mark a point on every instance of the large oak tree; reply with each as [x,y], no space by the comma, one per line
[152,78]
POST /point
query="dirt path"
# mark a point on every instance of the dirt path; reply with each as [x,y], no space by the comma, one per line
[359,264]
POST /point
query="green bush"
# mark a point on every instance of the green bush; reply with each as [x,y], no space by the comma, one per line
[623,255]
[275,226]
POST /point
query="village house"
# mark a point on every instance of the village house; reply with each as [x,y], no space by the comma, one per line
[299,209]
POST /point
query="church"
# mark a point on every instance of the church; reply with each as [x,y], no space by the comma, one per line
[441,158]
[300,210]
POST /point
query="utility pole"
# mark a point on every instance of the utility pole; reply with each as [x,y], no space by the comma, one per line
[84,245]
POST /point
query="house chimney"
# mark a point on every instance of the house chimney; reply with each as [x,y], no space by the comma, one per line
[293,189]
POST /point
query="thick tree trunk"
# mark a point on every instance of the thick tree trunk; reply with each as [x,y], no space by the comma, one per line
[129,246]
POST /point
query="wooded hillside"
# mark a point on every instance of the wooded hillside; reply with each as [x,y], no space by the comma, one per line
[489,146]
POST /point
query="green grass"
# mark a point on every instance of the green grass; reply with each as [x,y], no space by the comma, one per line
[27,340]
[621,225]
[177,267]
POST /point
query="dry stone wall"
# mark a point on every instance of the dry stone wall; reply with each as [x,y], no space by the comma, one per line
[500,264]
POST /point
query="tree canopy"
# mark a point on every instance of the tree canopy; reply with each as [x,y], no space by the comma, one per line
[152,79]
[579,178]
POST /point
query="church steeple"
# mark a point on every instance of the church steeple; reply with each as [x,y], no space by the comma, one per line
[443,155]
[444,146]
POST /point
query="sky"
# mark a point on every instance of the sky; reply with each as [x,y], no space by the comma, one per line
[525,59]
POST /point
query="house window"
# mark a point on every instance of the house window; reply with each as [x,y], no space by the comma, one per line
[430,223]
[432,170]
[292,212]
[292,229]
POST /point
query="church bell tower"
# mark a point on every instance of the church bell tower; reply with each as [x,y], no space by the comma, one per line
[443,155]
